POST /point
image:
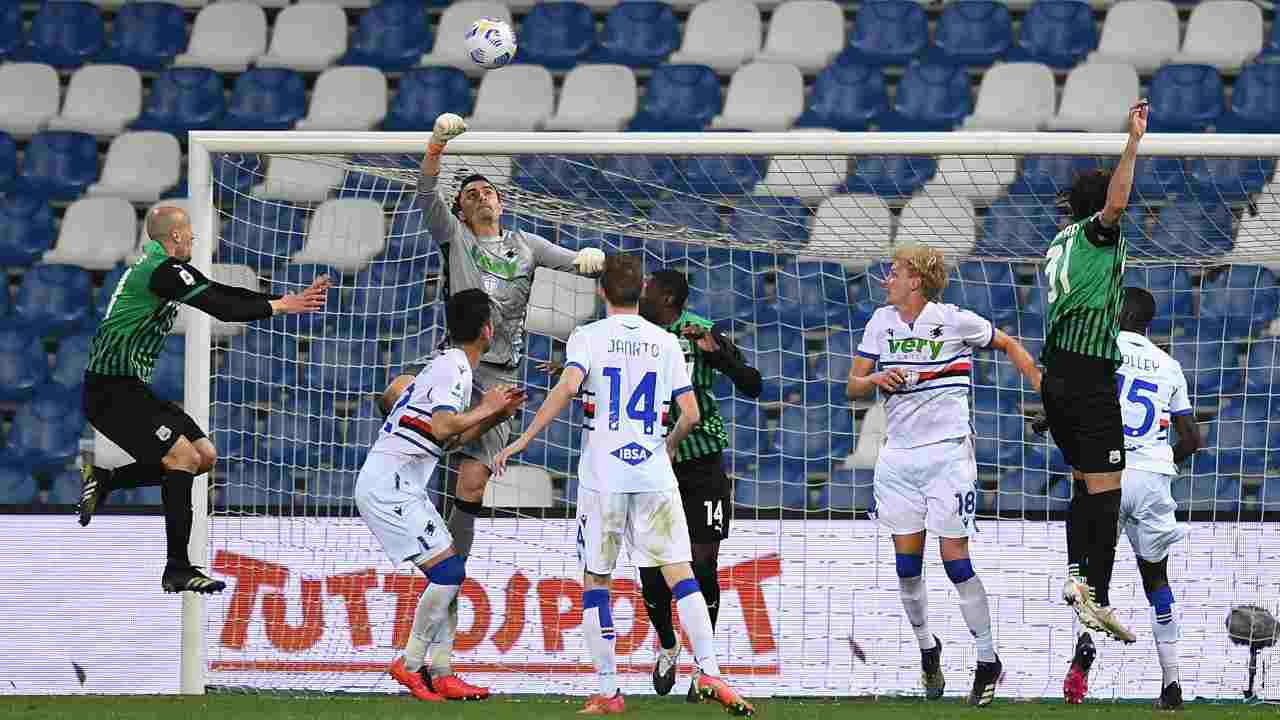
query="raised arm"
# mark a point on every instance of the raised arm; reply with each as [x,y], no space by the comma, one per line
[436,211]
[1122,178]
[1018,355]
[180,282]
[722,355]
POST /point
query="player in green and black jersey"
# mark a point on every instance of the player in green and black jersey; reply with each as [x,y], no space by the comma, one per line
[168,447]
[699,461]
[1084,283]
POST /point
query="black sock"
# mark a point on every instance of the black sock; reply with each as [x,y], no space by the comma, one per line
[1102,543]
[176,494]
[137,475]
[1078,524]
[708,576]
[657,603]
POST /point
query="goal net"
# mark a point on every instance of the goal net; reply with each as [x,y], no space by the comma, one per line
[784,240]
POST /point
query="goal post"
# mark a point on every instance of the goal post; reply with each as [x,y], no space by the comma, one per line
[784,237]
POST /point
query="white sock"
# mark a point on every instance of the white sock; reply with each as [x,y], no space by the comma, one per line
[432,612]
[1166,635]
[915,600]
[442,643]
[597,628]
[977,615]
[697,625]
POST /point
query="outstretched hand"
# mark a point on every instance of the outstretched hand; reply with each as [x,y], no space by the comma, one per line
[515,448]
[1138,119]
[309,300]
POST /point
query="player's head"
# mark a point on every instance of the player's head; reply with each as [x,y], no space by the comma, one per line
[1138,311]
[1088,195]
[622,281]
[468,316]
[477,201]
[170,226]
[664,294]
[916,269]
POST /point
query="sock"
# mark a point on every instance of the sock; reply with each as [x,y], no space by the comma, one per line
[175,493]
[136,475]
[657,603]
[433,609]
[1077,531]
[697,625]
[708,576]
[1165,630]
[1102,544]
[915,597]
[442,644]
[597,625]
[973,606]
[462,525]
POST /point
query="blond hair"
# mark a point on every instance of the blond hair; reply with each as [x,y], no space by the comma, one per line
[928,264]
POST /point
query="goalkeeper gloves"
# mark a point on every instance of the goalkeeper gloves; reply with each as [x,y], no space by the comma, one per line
[448,126]
[589,261]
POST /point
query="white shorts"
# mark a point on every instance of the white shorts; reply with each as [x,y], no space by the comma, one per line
[651,523]
[1146,513]
[391,494]
[930,487]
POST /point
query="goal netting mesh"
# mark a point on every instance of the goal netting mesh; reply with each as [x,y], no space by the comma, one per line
[786,254]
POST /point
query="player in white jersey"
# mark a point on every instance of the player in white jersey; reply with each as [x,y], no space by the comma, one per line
[1153,396]
[392,495]
[926,474]
[629,371]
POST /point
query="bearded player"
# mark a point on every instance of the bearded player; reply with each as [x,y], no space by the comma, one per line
[926,474]
[1084,283]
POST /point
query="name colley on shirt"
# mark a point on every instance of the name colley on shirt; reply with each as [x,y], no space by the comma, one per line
[1145,364]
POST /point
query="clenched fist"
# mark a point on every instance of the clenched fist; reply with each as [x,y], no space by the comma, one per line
[448,126]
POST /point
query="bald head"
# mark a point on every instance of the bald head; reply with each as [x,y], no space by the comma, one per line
[170,226]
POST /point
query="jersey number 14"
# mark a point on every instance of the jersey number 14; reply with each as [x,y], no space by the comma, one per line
[643,403]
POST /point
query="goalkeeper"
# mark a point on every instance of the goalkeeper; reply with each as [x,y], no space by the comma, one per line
[168,447]
[1084,289]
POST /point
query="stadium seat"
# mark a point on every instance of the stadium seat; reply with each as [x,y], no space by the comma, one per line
[1141,33]
[226,37]
[1159,177]
[424,93]
[852,221]
[295,438]
[391,35]
[345,366]
[1255,101]
[998,436]
[1097,98]
[816,437]
[978,32]
[887,32]
[1262,367]
[26,232]
[835,361]
[1229,180]
[54,300]
[929,97]
[381,306]
[167,380]
[986,288]
[892,176]
[679,97]
[1242,296]
[515,98]
[260,234]
[763,97]
[29,97]
[809,179]
[722,34]
[548,174]
[1212,367]
[1191,230]
[1226,34]
[11,30]
[1171,288]
[556,35]
[805,33]
[307,38]
[146,35]
[638,33]
[1043,177]
[938,220]
[65,34]
[1014,96]
[24,365]
[450,47]
[1185,98]
[810,295]
[8,161]
[70,361]
[846,98]
[140,167]
[46,431]
[721,175]
[262,361]
[183,99]
[101,100]
[778,353]
[1018,226]
[981,179]
[1058,33]
[345,233]
[59,164]
[295,180]
[596,97]
[347,98]
[1243,434]
[96,233]
[266,99]
[770,220]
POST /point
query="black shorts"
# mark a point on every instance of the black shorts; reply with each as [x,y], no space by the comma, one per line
[705,490]
[1083,410]
[132,416]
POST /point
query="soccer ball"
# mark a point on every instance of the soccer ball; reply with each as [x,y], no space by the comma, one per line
[491,43]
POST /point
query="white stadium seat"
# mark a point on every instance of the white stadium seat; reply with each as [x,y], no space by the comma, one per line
[345,233]
[140,166]
[937,220]
[723,34]
[1223,33]
[762,97]
[516,97]
[307,38]
[353,4]
[980,178]
[1097,98]
[29,97]
[521,486]
[237,276]
[450,46]
[861,222]
[1014,96]
[596,97]
[97,233]
[1141,33]
[226,37]
[101,100]
[347,98]
[805,33]
[293,180]
[804,178]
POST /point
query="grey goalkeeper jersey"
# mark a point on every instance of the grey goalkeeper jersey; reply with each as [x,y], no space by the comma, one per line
[501,266]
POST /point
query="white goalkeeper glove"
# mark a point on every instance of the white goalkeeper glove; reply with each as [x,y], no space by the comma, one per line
[589,261]
[448,126]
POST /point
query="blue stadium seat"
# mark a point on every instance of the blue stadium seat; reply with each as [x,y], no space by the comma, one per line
[64,488]
[1255,100]
[890,176]
[638,34]
[557,34]
[168,381]
[70,361]
[17,486]
[1044,456]
[887,32]
[1244,433]
[381,305]
[552,175]
[1158,177]
[811,295]
[266,99]
[24,365]
[345,366]
[26,229]
[1044,176]
[847,97]
[998,436]
[816,436]
[1269,495]
[54,299]
[11,33]
[423,94]
[722,175]
[5,299]
[834,363]
[867,288]
[361,431]
[1058,33]
[689,214]
[779,220]
[59,164]
[295,278]
[293,437]
[987,288]
[1262,367]
[762,491]
[1244,296]
[746,426]
[679,97]
[1185,98]
[1192,229]
[66,34]
[977,32]
[1229,179]
[1171,287]
[262,361]
[337,488]
[258,487]
[1018,226]
[233,429]
[46,431]
[1023,491]
[236,172]
[392,35]
[1212,368]
[8,161]
[183,99]
[779,355]
[1198,492]
[261,233]
[852,490]
[146,35]
[929,97]
[624,176]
